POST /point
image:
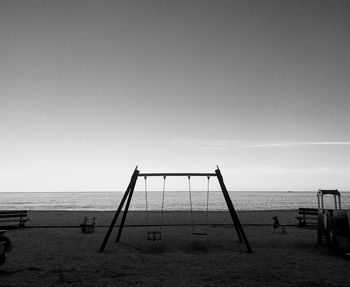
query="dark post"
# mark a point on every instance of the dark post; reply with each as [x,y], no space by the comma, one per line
[234,216]
[127,207]
[108,234]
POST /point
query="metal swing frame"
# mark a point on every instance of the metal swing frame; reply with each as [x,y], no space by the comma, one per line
[130,191]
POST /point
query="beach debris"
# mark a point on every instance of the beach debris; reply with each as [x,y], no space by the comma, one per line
[88,225]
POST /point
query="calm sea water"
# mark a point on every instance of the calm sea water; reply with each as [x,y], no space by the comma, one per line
[176,200]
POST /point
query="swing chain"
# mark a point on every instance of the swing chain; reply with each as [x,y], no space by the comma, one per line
[146,204]
[190,193]
[161,214]
[206,214]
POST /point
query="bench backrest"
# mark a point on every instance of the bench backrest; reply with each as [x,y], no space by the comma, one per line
[308,211]
[13,213]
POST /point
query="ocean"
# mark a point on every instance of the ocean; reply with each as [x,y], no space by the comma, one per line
[173,200]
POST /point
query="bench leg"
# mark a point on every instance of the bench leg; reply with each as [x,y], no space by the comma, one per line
[302,222]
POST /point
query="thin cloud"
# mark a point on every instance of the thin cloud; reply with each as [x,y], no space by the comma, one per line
[183,143]
[202,143]
[294,144]
[285,170]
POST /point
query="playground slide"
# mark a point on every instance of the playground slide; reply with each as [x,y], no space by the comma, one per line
[341,230]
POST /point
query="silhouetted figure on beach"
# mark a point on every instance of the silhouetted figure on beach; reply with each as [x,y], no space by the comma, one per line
[276,223]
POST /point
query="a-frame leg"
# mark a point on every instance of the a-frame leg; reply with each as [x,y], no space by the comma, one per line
[114,220]
[126,210]
[234,216]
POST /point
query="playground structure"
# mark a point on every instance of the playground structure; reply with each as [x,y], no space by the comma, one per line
[5,246]
[157,235]
[332,224]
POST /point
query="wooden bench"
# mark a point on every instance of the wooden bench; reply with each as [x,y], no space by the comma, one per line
[19,216]
[306,214]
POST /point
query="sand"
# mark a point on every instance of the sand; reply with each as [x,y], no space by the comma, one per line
[64,256]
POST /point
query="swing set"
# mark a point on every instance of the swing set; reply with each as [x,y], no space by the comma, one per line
[157,234]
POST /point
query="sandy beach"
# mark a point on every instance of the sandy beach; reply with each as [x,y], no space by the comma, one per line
[52,251]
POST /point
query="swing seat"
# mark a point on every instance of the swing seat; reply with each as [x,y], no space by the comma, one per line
[154,235]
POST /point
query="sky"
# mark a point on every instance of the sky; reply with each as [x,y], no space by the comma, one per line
[90,89]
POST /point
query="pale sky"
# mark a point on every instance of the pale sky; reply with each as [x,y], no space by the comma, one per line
[90,89]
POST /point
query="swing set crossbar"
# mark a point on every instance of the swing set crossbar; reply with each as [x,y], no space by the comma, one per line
[176,174]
